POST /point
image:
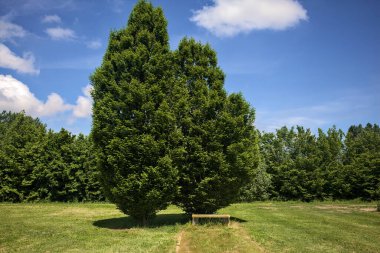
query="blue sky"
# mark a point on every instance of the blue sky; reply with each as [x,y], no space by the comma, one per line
[312,63]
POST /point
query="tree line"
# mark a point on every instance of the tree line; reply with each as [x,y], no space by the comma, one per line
[37,164]
[299,165]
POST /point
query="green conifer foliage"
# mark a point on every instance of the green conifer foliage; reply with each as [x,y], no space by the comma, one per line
[219,140]
[134,128]
[362,163]
[18,133]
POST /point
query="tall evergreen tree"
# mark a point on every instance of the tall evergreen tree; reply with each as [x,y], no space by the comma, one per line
[134,128]
[220,149]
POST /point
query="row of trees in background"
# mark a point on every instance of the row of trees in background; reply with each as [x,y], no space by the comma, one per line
[37,164]
[41,165]
[298,165]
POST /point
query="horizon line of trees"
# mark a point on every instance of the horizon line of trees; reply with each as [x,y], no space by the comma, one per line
[37,164]
[299,165]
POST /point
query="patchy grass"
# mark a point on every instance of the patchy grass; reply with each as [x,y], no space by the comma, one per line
[311,227]
[256,227]
[58,227]
[216,239]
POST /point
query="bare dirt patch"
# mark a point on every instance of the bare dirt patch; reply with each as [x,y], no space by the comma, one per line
[341,209]
[331,207]
[80,211]
[268,208]
[368,209]
[298,206]
[347,209]
[182,243]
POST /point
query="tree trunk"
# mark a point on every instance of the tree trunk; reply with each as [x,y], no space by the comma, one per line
[144,221]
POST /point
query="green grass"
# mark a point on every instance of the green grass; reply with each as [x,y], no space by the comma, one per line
[58,227]
[257,227]
[216,239]
[311,227]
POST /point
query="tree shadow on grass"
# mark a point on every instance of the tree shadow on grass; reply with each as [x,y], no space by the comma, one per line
[217,221]
[128,222]
[237,219]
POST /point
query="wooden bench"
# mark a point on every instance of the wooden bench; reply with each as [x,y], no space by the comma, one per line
[222,218]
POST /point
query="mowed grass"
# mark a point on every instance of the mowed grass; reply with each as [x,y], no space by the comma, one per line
[256,227]
[311,227]
[59,227]
[217,238]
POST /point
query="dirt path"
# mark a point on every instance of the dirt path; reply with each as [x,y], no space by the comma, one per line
[180,242]
[216,239]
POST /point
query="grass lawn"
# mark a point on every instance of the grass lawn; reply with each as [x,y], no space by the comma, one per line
[59,227]
[257,227]
[311,227]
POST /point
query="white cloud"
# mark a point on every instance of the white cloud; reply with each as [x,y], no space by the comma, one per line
[51,19]
[59,33]
[9,30]
[83,108]
[23,64]
[54,105]
[230,17]
[271,120]
[16,96]
[94,44]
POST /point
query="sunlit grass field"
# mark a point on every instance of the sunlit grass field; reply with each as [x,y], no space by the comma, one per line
[311,227]
[255,227]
